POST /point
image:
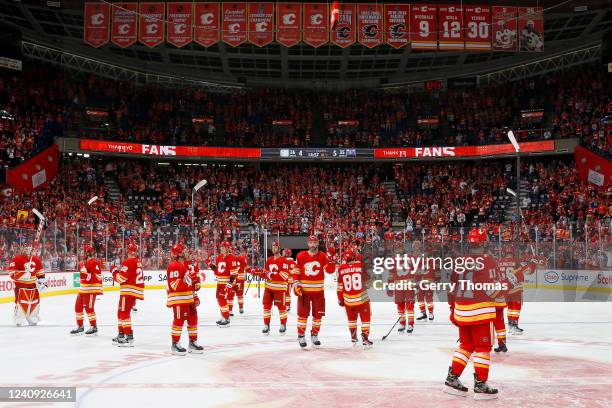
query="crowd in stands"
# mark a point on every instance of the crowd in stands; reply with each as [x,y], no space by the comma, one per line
[436,203]
[43,102]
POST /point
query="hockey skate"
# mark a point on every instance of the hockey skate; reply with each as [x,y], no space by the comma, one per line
[423,316]
[354,340]
[77,332]
[302,341]
[431,317]
[266,330]
[517,330]
[127,341]
[453,385]
[282,330]
[482,391]
[410,329]
[241,310]
[93,331]
[178,350]
[314,338]
[402,328]
[501,347]
[117,339]
[195,348]
[365,342]
[223,322]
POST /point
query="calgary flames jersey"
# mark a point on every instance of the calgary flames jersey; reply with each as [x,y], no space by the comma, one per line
[476,307]
[312,269]
[91,277]
[277,271]
[130,278]
[25,272]
[179,292]
[226,268]
[352,281]
[293,270]
[242,264]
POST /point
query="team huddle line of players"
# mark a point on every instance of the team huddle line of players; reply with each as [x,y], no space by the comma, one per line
[475,316]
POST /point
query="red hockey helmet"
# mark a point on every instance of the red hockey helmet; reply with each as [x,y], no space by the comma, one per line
[276,244]
[349,255]
[286,252]
[177,250]
[313,239]
[226,244]
[388,236]
[132,248]
[87,248]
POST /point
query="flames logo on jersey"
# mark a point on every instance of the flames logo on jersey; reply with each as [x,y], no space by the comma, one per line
[370,31]
[312,268]
[343,31]
[398,30]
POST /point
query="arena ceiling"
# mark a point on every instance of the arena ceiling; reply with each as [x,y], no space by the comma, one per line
[329,66]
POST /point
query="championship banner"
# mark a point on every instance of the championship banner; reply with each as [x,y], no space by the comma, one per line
[477,28]
[207,26]
[151,29]
[288,23]
[343,31]
[316,18]
[424,27]
[96,24]
[397,21]
[124,24]
[370,24]
[592,167]
[234,23]
[180,23]
[261,23]
[504,29]
[451,28]
[531,28]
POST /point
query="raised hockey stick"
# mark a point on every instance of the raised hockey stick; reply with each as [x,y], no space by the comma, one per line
[41,225]
[392,327]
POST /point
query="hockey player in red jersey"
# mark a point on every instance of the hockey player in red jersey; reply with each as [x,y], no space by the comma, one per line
[276,273]
[182,284]
[130,278]
[403,297]
[430,273]
[474,316]
[352,294]
[28,276]
[225,279]
[293,271]
[515,300]
[240,265]
[90,287]
[309,288]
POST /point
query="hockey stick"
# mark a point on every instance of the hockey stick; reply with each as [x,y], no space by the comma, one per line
[393,327]
[41,224]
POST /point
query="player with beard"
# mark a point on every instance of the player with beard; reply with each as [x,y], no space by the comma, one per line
[276,273]
[309,288]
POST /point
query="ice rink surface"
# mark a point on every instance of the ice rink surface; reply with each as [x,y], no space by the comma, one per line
[564,359]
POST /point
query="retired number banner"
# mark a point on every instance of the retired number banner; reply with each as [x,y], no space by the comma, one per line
[477,28]
[206,17]
[343,31]
[531,29]
[234,23]
[125,22]
[96,24]
[370,24]
[316,20]
[261,23]
[504,29]
[180,24]
[424,27]
[451,28]
[288,23]
[397,22]
[151,27]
